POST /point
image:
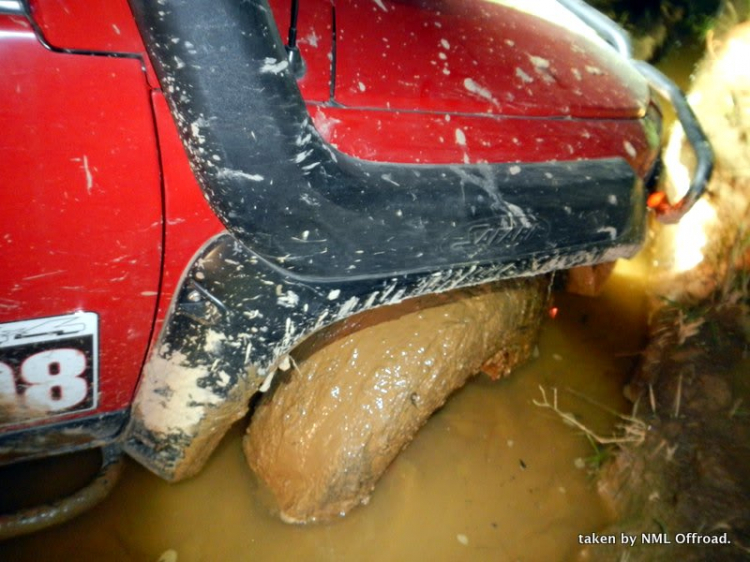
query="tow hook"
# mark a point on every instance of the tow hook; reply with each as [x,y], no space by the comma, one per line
[34,519]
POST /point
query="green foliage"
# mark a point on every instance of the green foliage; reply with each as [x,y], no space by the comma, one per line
[602,453]
[685,21]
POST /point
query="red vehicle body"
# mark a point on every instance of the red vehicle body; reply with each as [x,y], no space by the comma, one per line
[104,217]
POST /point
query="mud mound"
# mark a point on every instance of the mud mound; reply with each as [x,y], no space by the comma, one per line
[329,431]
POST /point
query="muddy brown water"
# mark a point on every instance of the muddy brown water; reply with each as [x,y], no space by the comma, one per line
[490,477]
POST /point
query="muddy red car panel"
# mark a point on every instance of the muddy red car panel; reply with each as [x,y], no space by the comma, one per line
[83,231]
[182,203]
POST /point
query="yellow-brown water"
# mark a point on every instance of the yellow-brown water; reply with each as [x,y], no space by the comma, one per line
[490,477]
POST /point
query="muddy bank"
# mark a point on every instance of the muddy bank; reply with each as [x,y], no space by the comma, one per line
[701,255]
[688,472]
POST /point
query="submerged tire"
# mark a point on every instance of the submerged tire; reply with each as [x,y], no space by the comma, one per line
[358,393]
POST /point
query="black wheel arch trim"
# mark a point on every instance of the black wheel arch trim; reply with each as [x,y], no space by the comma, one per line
[318,214]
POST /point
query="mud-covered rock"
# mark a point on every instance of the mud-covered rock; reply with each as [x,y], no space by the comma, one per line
[356,396]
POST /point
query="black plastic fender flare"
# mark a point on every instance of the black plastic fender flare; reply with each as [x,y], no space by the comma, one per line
[321,215]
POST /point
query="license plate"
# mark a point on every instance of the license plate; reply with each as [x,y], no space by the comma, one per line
[48,367]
